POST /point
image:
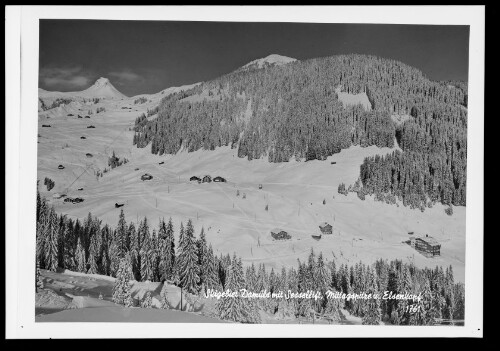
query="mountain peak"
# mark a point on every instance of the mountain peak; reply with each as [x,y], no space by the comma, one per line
[268,61]
[102,82]
[104,89]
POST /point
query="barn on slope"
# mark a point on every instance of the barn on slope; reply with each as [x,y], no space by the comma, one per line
[280,234]
[326,228]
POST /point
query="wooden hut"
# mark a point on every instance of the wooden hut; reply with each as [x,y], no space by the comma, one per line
[194,179]
[219,179]
[146,176]
[326,228]
[60,167]
[279,234]
[207,179]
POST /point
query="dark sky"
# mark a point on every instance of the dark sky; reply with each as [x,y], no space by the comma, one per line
[148,56]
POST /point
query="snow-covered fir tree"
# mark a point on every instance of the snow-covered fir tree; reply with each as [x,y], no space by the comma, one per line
[188,261]
[121,235]
[169,250]
[237,309]
[121,288]
[372,315]
[80,257]
[203,264]
[93,255]
[52,241]
[146,254]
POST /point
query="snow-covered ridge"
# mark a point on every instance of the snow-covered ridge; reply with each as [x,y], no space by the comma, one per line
[102,88]
[165,92]
[269,61]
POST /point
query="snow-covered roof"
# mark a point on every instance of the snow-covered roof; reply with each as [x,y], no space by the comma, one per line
[277,230]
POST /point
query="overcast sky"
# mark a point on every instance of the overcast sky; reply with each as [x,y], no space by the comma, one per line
[145,57]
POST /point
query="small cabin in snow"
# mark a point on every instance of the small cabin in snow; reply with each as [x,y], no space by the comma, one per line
[219,179]
[207,179]
[316,236]
[326,228]
[89,155]
[194,179]
[60,167]
[279,234]
[146,176]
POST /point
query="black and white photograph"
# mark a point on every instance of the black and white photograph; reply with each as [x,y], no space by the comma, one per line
[223,171]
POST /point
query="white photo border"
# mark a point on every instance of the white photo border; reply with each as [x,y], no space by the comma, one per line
[22,36]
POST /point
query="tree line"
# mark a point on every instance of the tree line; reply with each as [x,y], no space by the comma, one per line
[142,254]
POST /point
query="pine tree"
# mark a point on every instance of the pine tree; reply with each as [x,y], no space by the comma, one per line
[121,288]
[170,250]
[189,270]
[404,285]
[155,257]
[42,233]
[211,275]
[203,264]
[51,247]
[121,235]
[371,311]
[93,254]
[146,254]
[234,308]
[80,257]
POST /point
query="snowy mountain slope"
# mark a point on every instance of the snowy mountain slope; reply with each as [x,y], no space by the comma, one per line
[102,88]
[165,92]
[363,230]
[268,61]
